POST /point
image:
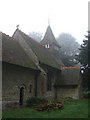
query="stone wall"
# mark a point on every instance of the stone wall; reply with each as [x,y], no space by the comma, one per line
[13,78]
[68,91]
[42,82]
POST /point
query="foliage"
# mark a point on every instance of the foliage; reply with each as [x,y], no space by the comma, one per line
[84,51]
[86,94]
[83,59]
[83,56]
[72,109]
[69,48]
[33,101]
[50,106]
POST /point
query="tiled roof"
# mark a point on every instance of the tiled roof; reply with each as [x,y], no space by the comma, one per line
[42,53]
[13,53]
[69,76]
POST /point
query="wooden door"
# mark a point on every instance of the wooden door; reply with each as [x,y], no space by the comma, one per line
[21,96]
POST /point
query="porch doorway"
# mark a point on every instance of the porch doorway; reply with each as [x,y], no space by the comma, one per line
[21,96]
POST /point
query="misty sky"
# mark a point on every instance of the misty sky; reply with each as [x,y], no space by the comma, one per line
[70,16]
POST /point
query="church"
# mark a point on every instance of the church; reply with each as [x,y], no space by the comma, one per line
[31,69]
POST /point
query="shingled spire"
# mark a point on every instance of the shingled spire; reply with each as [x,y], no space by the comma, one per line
[49,38]
[51,44]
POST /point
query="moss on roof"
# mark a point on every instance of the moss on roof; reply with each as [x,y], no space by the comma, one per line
[43,54]
[69,76]
[13,53]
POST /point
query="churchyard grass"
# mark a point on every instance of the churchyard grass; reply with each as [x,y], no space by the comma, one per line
[72,109]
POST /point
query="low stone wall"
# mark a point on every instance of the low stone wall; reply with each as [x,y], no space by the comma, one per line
[9,104]
[68,91]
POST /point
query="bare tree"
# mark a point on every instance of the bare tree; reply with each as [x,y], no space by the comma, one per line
[36,35]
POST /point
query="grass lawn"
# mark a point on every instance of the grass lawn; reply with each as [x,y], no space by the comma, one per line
[72,109]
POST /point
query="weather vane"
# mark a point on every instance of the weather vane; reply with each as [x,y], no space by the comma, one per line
[17,26]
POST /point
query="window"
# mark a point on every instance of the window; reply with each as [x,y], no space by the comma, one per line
[30,90]
[47,46]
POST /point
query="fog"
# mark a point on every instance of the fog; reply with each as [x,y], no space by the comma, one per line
[32,15]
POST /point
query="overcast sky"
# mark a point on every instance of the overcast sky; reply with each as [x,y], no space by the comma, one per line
[70,16]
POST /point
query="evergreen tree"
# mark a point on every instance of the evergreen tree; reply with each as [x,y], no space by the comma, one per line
[83,59]
[83,56]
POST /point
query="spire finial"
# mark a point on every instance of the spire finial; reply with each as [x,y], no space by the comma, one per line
[17,26]
[48,21]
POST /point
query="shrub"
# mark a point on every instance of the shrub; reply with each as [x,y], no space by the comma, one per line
[50,106]
[33,101]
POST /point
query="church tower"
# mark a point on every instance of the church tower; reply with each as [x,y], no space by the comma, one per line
[50,43]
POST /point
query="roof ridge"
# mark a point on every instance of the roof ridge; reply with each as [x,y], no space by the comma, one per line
[35,41]
[71,67]
[5,34]
[35,46]
[14,51]
[9,37]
